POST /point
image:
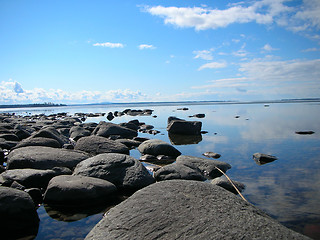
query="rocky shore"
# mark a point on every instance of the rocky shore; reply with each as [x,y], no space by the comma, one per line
[65,161]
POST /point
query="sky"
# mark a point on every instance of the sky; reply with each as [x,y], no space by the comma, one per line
[92,51]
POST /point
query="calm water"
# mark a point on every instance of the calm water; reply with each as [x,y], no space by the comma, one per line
[287,189]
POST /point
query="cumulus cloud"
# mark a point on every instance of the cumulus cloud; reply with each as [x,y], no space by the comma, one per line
[109,45]
[202,18]
[146,46]
[213,65]
[12,92]
[267,47]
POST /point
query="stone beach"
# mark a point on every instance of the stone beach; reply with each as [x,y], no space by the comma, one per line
[70,162]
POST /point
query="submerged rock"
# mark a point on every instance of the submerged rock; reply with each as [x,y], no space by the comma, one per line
[224,183]
[180,209]
[211,155]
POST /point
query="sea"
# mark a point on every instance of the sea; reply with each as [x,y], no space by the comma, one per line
[288,189]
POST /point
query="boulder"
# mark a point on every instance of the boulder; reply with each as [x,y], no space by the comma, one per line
[122,170]
[206,166]
[178,171]
[38,141]
[224,183]
[158,147]
[78,190]
[179,126]
[9,137]
[32,178]
[78,132]
[95,145]
[18,215]
[39,157]
[51,132]
[105,129]
[179,209]
[211,155]
[130,143]
[261,158]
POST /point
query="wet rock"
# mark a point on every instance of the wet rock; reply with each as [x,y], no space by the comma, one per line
[96,144]
[38,141]
[211,155]
[158,147]
[224,183]
[39,157]
[110,116]
[261,158]
[179,126]
[105,129]
[32,178]
[78,190]
[180,209]
[122,170]
[205,166]
[18,215]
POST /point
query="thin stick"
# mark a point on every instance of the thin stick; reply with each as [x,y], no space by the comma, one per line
[232,184]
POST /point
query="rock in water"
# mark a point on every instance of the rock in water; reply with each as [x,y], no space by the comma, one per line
[78,190]
[179,209]
[122,170]
[18,215]
[261,158]
[158,147]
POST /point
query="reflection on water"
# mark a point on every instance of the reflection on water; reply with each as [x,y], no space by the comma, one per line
[179,139]
[287,189]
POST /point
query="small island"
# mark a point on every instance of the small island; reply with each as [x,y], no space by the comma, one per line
[45,104]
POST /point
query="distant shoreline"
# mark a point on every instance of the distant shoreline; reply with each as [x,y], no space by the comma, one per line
[38,105]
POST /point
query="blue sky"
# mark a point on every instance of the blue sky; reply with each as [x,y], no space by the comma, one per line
[81,51]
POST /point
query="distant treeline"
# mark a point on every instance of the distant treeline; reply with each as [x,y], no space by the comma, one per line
[49,104]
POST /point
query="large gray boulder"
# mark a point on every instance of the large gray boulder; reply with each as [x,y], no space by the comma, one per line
[31,178]
[206,166]
[158,147]
[39,157]
[38,141]
[78,190]
[51,132]
[95,145]
[105,129]
[181,209]
[122,170]
[18,215]
[180,126]
[77,132]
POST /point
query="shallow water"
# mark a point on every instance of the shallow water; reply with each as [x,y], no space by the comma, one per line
[287,189]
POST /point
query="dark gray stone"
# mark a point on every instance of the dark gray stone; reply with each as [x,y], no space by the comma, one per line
[179,209]
[225,183]
[32,178]
[78,190]
[178,126]
[51,132]
[38,141]
[129,142]
[9,137]
[158,147]
[178,171]
[18,215]
[105,129]
[96,144]
[122,170]
[211,155]
[261,158]
[78,132]
[38,157]
[206,166]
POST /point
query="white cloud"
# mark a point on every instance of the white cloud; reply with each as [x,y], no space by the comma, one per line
[202,18]
[267,47]
[109,45]
[12,92]
[213,65]
[311,50]
[146,46]
[203,54]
